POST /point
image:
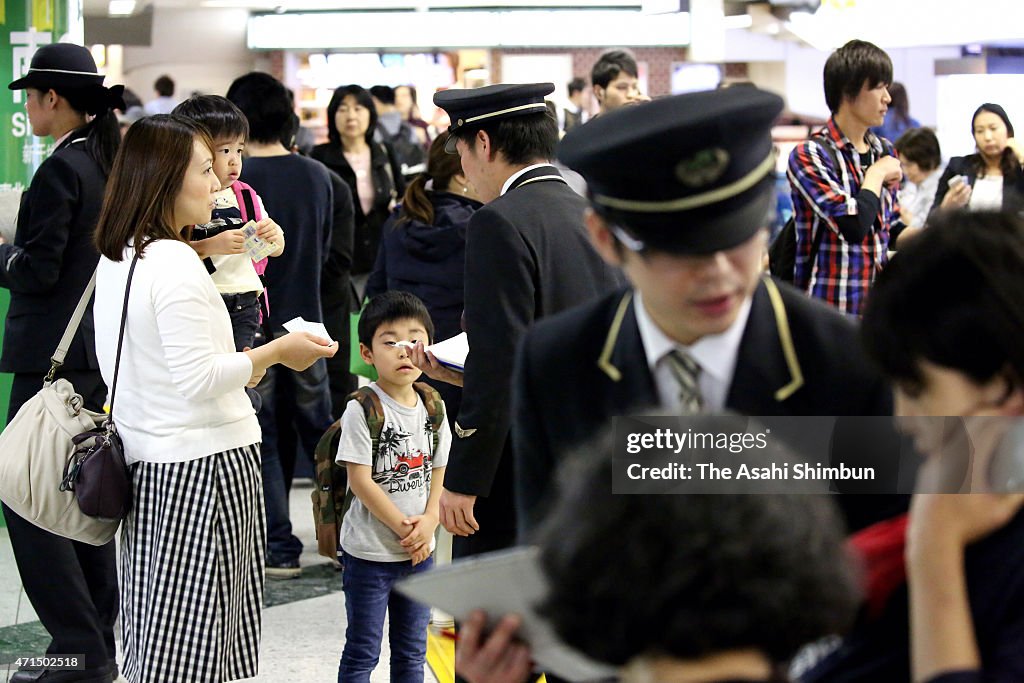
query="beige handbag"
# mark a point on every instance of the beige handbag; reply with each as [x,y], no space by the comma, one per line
[36,446]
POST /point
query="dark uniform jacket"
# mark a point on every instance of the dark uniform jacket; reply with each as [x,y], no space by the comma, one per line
[51,262]
[578,370]
[527,257]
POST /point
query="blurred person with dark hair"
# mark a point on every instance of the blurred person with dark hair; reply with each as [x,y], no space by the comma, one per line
[408,107]
[423,251]
[944,323]
[574,114]
[296,404]
[367,166]
[745,581]
[164,102]
[897,119]
[527,257]
[845,216]
[921,159]
[614,78]
[991,179]
[46,269]
[392,128]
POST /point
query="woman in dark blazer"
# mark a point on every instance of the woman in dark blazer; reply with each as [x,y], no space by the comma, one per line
[998,155]
[367,166]
[72,585]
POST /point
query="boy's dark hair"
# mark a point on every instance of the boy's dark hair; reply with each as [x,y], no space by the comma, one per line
[362,96]
[384,93]
[951,297]
[264,101]
[763,572]
[576,85]
[391,306]
[164,86]
[520,139]
[852,66]
[220,116]
[920,146]
[610,65]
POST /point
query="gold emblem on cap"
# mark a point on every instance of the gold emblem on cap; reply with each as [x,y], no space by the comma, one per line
[703,168]
[459,122]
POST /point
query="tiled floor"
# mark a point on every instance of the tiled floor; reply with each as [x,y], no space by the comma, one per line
[303,623]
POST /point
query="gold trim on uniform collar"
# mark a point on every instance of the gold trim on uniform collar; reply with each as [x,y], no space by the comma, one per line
[604,361]
[786,340]
[698,200]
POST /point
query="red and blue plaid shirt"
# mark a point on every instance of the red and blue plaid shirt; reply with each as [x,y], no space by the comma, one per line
[842,272]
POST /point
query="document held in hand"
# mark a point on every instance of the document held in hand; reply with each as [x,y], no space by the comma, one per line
[452,352]
[500,583]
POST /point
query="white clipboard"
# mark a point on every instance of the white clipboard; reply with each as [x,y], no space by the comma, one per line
[505,582]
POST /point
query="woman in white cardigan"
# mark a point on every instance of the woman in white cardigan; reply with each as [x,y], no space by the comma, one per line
[192,548]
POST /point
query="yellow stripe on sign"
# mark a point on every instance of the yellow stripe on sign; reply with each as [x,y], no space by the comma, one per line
[441,656]
[42,15]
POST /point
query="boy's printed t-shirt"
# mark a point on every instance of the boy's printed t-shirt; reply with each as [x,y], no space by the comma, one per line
[402,470]
[235,273]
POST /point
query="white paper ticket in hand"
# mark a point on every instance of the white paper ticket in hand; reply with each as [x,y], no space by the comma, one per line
[257,249]
[452,352]
[499,583]
[300,325]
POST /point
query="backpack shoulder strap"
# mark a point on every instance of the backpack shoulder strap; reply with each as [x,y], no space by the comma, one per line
[373,411]
[435,409]
[245,197]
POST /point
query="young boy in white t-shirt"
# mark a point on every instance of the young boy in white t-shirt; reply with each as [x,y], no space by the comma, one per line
[388,532]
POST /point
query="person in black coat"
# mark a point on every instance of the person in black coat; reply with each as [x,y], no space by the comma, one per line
[527,257]
[999,155]
[756,346]
[72,585]
[351,121]
[423,251]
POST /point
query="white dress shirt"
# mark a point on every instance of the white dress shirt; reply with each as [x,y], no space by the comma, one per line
[716,355]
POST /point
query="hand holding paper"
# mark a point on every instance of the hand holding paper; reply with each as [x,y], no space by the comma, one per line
[300,325]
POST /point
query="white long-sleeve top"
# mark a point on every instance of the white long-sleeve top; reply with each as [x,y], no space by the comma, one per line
[180,388]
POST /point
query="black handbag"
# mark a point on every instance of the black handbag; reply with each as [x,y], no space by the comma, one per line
[96,471]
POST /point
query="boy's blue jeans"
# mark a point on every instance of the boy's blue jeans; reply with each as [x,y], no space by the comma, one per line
[368,595]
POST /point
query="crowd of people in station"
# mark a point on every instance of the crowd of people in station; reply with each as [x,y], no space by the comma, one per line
[601,266]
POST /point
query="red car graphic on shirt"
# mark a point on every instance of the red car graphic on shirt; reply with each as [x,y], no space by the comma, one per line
[408,462]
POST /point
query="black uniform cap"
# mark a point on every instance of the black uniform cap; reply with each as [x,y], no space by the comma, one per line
[475,106]
[59,65]
[691,174]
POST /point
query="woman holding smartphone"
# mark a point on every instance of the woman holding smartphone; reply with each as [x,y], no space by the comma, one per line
[990,179]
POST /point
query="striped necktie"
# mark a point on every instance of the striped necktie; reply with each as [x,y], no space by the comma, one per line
[687,373]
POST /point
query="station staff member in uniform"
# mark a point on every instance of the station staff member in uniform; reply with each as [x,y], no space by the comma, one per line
[527,256]
[680,190]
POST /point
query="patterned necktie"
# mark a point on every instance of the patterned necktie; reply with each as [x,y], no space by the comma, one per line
[687,373]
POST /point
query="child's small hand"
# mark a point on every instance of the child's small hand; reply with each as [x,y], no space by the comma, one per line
[227,242]
[421,534]
[420,555]
[270,231]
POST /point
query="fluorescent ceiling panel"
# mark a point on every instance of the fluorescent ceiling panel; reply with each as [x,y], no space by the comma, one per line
[435,30]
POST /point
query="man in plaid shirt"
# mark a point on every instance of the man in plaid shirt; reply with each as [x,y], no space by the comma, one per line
[846,215]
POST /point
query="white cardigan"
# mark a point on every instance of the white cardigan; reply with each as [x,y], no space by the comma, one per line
[180,385]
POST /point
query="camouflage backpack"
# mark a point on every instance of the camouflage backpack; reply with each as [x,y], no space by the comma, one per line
[331,494]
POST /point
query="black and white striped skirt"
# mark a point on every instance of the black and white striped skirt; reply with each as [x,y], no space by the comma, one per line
[192,563]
